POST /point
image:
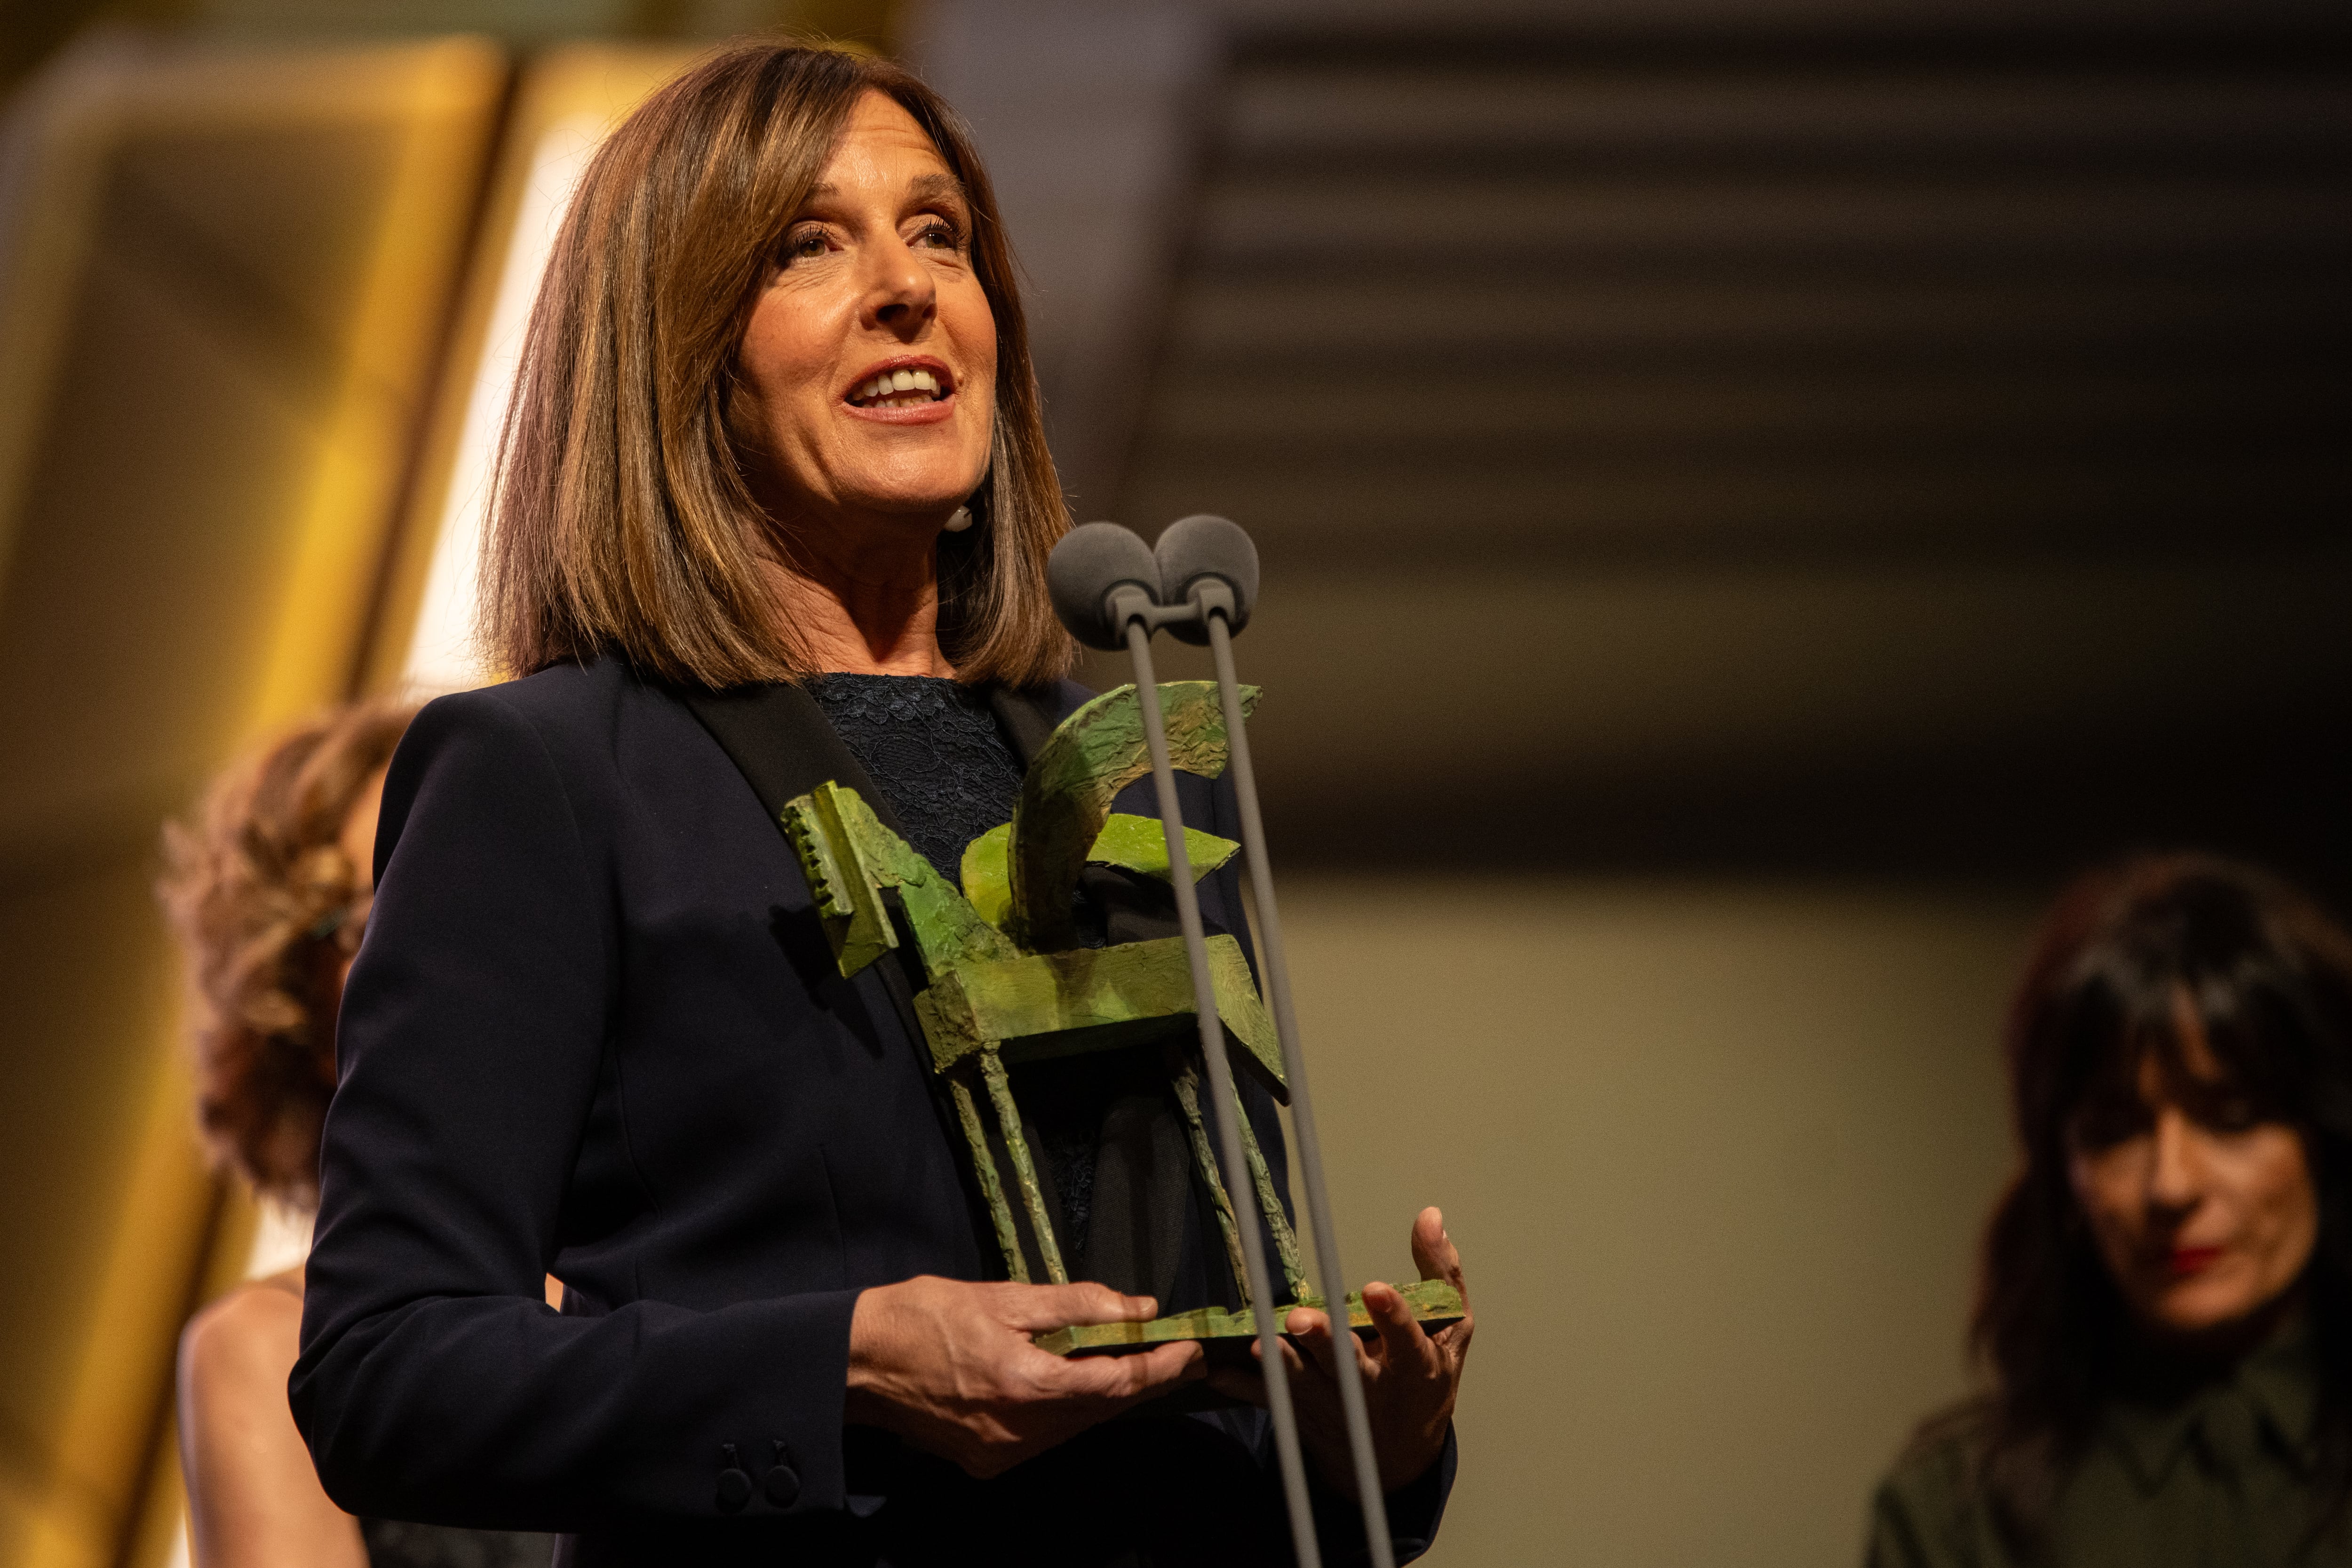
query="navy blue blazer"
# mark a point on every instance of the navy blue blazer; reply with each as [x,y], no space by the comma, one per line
[594,1030]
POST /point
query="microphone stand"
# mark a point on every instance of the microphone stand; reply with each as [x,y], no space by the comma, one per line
[1134,611]
[1214,600]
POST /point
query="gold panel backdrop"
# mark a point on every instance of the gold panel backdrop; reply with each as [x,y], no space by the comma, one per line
[228,283]
[566,99]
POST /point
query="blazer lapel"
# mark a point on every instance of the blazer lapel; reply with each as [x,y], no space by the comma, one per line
[784,746]
[1028,717]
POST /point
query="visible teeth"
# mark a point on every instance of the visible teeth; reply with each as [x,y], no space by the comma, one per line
[892,382]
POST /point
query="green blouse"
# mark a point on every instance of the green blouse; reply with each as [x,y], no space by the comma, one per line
[2225,1476]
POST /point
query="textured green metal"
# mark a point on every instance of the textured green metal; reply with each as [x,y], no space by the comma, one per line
[1132,843]
[1088,999]
[999,1211]
[987,874]
[1141,844]
[1269,1203]
[850,857]
[1005,980]
[1008,1124]
[1066,798]
[1187,1084]
[848,895]
[1434,1304]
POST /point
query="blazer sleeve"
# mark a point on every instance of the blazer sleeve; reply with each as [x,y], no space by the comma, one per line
[435,1384]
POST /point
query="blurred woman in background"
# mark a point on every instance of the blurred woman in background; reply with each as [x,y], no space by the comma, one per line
[267,892]
[2166,1283]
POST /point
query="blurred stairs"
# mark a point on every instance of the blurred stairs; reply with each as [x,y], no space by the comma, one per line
[1811,449]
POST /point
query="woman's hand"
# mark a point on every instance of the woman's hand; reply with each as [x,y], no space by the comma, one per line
[1411,1377]
[949,1366]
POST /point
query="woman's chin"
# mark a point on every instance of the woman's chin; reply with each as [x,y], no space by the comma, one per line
[917,500]
[912,515]
[2218,1304]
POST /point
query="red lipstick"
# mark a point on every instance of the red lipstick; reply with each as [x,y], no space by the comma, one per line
[2183,1261]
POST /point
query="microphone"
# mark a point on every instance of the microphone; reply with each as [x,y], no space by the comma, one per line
[1208,585]
[1105,585]
[1198,552]
[1091,564]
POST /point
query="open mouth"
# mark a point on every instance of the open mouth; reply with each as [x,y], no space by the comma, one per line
[906,388]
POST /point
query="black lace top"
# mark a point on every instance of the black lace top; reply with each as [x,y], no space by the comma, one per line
[934,747]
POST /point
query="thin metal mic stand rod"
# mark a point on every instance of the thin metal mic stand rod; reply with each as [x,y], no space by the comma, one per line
[1302,1108]
[1221,1086]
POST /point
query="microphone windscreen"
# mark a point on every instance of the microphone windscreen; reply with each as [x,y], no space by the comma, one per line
[1201,546]
[1093,559]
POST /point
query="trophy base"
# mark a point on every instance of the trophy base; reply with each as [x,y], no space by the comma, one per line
[1434,1302]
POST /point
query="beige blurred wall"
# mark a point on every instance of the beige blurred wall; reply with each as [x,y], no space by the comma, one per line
[1716,1154]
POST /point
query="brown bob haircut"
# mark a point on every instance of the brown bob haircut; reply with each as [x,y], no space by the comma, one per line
[267,910]
[622,521]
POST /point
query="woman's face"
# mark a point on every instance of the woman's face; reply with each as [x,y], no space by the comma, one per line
[869,368]
[2203,1212]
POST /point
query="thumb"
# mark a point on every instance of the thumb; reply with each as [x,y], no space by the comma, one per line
[1127,1379]
[1433,1252]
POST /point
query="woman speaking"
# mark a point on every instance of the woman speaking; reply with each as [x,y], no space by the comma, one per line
[774,508]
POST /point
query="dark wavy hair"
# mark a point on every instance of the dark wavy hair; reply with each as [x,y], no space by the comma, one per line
[267,910]
[2269,975]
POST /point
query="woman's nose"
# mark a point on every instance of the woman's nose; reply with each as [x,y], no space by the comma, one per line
[900,294]
[2175,1177]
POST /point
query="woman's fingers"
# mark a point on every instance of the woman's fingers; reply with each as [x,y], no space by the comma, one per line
[1125,1379]
[1041,1309]
[1310,1337]
[1403,1344]
[1409,1374]
[1318,1345]
[949,1365]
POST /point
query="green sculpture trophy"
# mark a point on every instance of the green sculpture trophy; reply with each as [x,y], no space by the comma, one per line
[1006,981]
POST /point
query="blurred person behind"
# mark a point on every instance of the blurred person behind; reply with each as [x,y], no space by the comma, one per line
[267,892]
[2163,1304]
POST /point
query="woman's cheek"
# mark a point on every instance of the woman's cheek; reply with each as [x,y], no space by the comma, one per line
[2106,1187]
[2273,1180]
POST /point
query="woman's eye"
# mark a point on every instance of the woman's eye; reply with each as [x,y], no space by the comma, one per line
[2233,1114]
[941,235]
[2103,1124]
[804,246]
